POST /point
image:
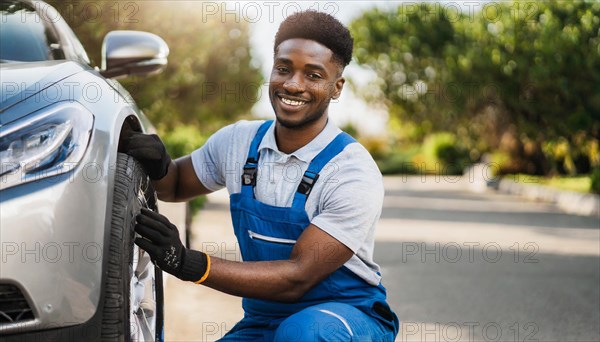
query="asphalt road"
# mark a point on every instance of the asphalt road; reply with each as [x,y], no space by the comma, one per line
[458,266]
[463,266]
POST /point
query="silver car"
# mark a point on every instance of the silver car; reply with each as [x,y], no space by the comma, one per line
[68,198]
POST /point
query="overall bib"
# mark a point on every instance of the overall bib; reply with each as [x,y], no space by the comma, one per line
[266,233]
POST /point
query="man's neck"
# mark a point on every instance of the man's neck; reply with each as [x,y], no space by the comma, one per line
[290,140]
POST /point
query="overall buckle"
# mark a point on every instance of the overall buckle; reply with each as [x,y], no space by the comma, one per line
[249,175]
[308,180]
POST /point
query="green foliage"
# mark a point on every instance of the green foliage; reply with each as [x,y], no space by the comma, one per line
[595,181]
[500,163]
[210,79]
[182,140]
[443,149]
[559,154]
[402,48]
[378,147]
[581,184]
[399,161]
[196,204]
[574,156]
[528,66]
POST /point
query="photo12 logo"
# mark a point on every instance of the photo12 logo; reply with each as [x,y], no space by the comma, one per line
[470,252]
[80,12]
[253,11]
[468,331]
[453,11]
[51,252]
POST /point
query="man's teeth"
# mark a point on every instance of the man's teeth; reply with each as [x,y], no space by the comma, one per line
[292,102]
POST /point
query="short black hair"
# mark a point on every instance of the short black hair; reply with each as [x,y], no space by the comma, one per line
[320,27]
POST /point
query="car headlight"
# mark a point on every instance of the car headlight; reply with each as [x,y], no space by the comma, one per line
[48,142]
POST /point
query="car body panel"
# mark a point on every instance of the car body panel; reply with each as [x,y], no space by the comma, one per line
[21,81]
[57,226]
[56,238]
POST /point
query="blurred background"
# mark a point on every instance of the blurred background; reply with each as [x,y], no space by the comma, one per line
[436,90]
[433,87]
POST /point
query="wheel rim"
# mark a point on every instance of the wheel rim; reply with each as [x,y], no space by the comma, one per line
[142,290]
[142,298]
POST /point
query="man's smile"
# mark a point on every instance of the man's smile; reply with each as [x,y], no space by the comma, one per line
[291,101]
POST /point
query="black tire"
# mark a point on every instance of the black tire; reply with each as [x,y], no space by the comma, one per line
[132,191]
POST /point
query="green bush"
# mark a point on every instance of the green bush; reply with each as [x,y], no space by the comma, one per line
[499,162]
[378,148]
[595,181]
[182,141]
[396,164]
[443,148]
[571,158]
[398,161]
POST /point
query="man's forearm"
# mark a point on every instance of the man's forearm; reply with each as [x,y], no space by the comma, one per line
[280,280]
[166,188]
[181,182]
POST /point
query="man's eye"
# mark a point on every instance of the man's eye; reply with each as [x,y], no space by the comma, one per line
[282,69]
[315,76]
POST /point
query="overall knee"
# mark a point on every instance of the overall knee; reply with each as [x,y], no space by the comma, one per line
[314,325]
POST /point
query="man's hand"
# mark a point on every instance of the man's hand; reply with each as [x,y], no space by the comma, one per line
[160,239]
[149,150]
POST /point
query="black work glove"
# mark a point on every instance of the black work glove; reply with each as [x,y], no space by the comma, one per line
[149,150]
[160,239]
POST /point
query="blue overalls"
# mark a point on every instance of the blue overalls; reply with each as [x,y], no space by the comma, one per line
[341,307]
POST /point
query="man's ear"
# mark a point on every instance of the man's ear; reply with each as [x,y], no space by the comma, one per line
[338,86]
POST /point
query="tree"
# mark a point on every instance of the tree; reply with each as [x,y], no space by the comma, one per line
[526,70]
[210,79]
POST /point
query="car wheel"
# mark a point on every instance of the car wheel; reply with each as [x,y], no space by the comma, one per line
[133,301]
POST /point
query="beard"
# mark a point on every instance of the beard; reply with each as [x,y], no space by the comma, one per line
[305,121]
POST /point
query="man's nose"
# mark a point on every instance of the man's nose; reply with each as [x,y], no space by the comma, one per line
[294,84]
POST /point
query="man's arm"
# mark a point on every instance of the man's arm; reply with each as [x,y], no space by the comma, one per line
[315,256]
[180,183]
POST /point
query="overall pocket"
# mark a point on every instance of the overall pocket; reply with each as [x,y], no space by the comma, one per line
[265,247]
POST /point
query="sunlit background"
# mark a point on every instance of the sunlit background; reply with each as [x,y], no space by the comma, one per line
[454,83]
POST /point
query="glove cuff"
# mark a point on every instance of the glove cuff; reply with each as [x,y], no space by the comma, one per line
[167,161]
[160,171]
[194,266]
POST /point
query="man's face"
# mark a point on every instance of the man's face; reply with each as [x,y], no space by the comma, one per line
[303,81]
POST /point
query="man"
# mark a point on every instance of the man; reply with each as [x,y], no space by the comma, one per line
[305,199]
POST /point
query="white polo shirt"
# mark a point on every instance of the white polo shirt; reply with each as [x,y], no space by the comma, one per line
[345,202]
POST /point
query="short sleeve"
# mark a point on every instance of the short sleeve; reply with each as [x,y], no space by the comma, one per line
[352,199]
[209,159]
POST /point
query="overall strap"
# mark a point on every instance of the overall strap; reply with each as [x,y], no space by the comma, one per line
[311,175]
[251,166]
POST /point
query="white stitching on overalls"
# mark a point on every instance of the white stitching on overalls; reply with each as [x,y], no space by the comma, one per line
[342,319]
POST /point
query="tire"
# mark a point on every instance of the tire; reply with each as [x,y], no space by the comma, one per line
[133,304]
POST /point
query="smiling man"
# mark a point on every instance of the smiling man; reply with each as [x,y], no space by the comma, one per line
[304,205]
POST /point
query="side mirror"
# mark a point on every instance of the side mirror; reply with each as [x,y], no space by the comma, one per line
[133,53]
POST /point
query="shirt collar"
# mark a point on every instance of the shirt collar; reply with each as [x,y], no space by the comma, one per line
[308,151]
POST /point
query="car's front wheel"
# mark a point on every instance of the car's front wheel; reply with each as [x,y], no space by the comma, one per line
[133,286]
